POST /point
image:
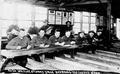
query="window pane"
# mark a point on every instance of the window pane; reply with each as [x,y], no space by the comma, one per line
[24,24]
[93,20]
[51,17]
[93,14]
[85,19]
[71,17]
[41,13]
[65,17]
[85,27]
[86,14]
[77,16]
[93,27]
[39,24]
[5,25]
[24,11]
[58,17]
[76,27]
[7,11]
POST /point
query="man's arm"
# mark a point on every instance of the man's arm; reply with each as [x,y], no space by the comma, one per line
[11,44]
[26,42]
[51,40]
[33,42]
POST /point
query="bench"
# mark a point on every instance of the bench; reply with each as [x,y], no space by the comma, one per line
[10,54]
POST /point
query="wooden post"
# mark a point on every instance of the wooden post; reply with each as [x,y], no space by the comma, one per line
[0,42]
[33,15]
[109,19]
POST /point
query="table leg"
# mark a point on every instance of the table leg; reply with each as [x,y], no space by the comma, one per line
[42,57]
[72,53]
[5,63]
[20,65]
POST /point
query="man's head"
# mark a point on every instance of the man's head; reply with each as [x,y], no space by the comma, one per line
[57,33]
[99,33]
[41,33]
[91,33]
[82,34]
[22,33]
[68,23]
[14,31]
[67,33]
[45,22]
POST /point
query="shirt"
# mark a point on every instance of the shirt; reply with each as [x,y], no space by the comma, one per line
[66,39]
[53,39]
[80,41]
[36,41]
[15,42]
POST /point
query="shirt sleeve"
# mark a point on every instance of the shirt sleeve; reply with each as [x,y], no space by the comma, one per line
[33,42]
[50,40]
[26,42]
[11,44]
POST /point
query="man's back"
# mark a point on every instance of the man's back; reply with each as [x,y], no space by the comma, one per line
[15,42]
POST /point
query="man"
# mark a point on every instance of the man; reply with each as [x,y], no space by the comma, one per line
[18,43]
[67,39]
[33,29]
[91,39]
[39,41]
[12,32]
[67,27]
[100,40]
[47,28]
[55,39]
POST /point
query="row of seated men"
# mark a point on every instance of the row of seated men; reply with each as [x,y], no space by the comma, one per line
[89,42]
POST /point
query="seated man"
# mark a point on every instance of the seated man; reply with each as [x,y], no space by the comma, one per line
[100,38]
[18,43]
[55,39]
[67,39]
[39,41]
[91,39]
[81,41]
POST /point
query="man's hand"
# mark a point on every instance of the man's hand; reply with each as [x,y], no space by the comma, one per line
[18,47]
[62,43]
[57,43]
[42,45]
[47,45]
[72,42]
[28,47]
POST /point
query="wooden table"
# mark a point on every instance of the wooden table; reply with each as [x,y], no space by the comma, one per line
[10,54]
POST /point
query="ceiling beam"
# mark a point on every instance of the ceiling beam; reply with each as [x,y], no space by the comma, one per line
[86,2]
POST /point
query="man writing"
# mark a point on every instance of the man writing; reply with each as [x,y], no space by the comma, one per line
[18,43]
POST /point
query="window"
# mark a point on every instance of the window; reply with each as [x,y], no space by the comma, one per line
[84,21]
[21,14]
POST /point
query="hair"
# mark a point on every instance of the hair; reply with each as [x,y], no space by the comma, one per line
[68,22]
[91,32]
[81,32]
[41,30]
[99,31]
[68,31]
[33,30]
[11,27]
[57,30]
[21,29]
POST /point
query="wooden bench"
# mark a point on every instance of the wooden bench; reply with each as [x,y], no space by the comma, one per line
[10,54]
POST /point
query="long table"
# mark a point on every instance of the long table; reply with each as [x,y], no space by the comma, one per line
[10,54]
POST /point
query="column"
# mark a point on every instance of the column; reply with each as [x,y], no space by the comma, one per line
[109,19]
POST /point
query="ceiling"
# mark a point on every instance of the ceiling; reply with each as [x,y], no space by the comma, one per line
[98,6]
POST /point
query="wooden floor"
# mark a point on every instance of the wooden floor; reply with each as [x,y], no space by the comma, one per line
[101,61]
